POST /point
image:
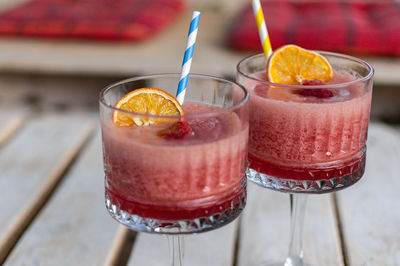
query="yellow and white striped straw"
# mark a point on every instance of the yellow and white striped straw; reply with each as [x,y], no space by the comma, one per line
[262,28]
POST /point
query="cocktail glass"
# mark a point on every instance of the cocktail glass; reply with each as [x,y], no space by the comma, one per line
[307,138]
[177,182]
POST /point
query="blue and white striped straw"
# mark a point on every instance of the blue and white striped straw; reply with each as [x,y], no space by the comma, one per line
[187,59]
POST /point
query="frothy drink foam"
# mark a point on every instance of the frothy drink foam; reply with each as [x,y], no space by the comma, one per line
[173,179]
[294,136]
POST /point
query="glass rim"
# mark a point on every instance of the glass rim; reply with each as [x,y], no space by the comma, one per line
[216,112]
[324,86]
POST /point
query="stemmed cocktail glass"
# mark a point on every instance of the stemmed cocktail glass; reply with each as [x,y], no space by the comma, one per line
[180,174]
[307,138]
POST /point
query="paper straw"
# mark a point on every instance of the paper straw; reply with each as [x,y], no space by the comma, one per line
[262,28]
[187,59]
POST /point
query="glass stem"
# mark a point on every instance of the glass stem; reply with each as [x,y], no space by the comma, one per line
[176,249]
[297,211]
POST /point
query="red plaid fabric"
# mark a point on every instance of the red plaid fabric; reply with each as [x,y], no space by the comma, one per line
[367,27]
[90,19]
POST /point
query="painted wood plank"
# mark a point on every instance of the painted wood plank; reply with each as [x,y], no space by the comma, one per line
[74,228]
[370,210]
[43,193]
[122,246]
[213,248]
[9,126]
[265,229]
[7,4]
[31,166]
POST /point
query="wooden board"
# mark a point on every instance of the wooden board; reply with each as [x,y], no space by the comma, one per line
[121,247]
[6,4]
[10,123]
[74,228]
[214,248]
[31,165]
[265,229]
[370,210]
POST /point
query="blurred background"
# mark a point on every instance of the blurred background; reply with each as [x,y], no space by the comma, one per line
[56,55]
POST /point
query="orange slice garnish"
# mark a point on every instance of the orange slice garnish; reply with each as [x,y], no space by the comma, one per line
[146,101]
[292,64]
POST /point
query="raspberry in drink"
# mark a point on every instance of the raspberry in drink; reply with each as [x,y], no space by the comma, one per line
[169,168]
[153,173]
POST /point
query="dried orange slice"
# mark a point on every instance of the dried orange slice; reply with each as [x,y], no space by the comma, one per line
[147,101]
[292,65]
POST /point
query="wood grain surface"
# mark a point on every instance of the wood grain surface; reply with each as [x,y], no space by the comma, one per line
[265,229]
[30,177]
[370,210]
[73,228]
[10,123]
[212,248]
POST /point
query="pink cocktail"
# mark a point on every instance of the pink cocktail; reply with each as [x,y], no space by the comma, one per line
[308,138]
[190,179]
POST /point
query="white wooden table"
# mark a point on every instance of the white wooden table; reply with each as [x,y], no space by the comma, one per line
[52,207]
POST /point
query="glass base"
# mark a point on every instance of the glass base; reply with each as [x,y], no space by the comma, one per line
[186,226]
[308,186]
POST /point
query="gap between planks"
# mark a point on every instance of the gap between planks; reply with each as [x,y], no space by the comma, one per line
[24,219]
[11,128]
[339,226]
[235,259]
[122,247]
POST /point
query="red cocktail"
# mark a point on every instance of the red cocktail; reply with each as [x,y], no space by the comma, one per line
[186,174]
[306,135]
[308,138]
